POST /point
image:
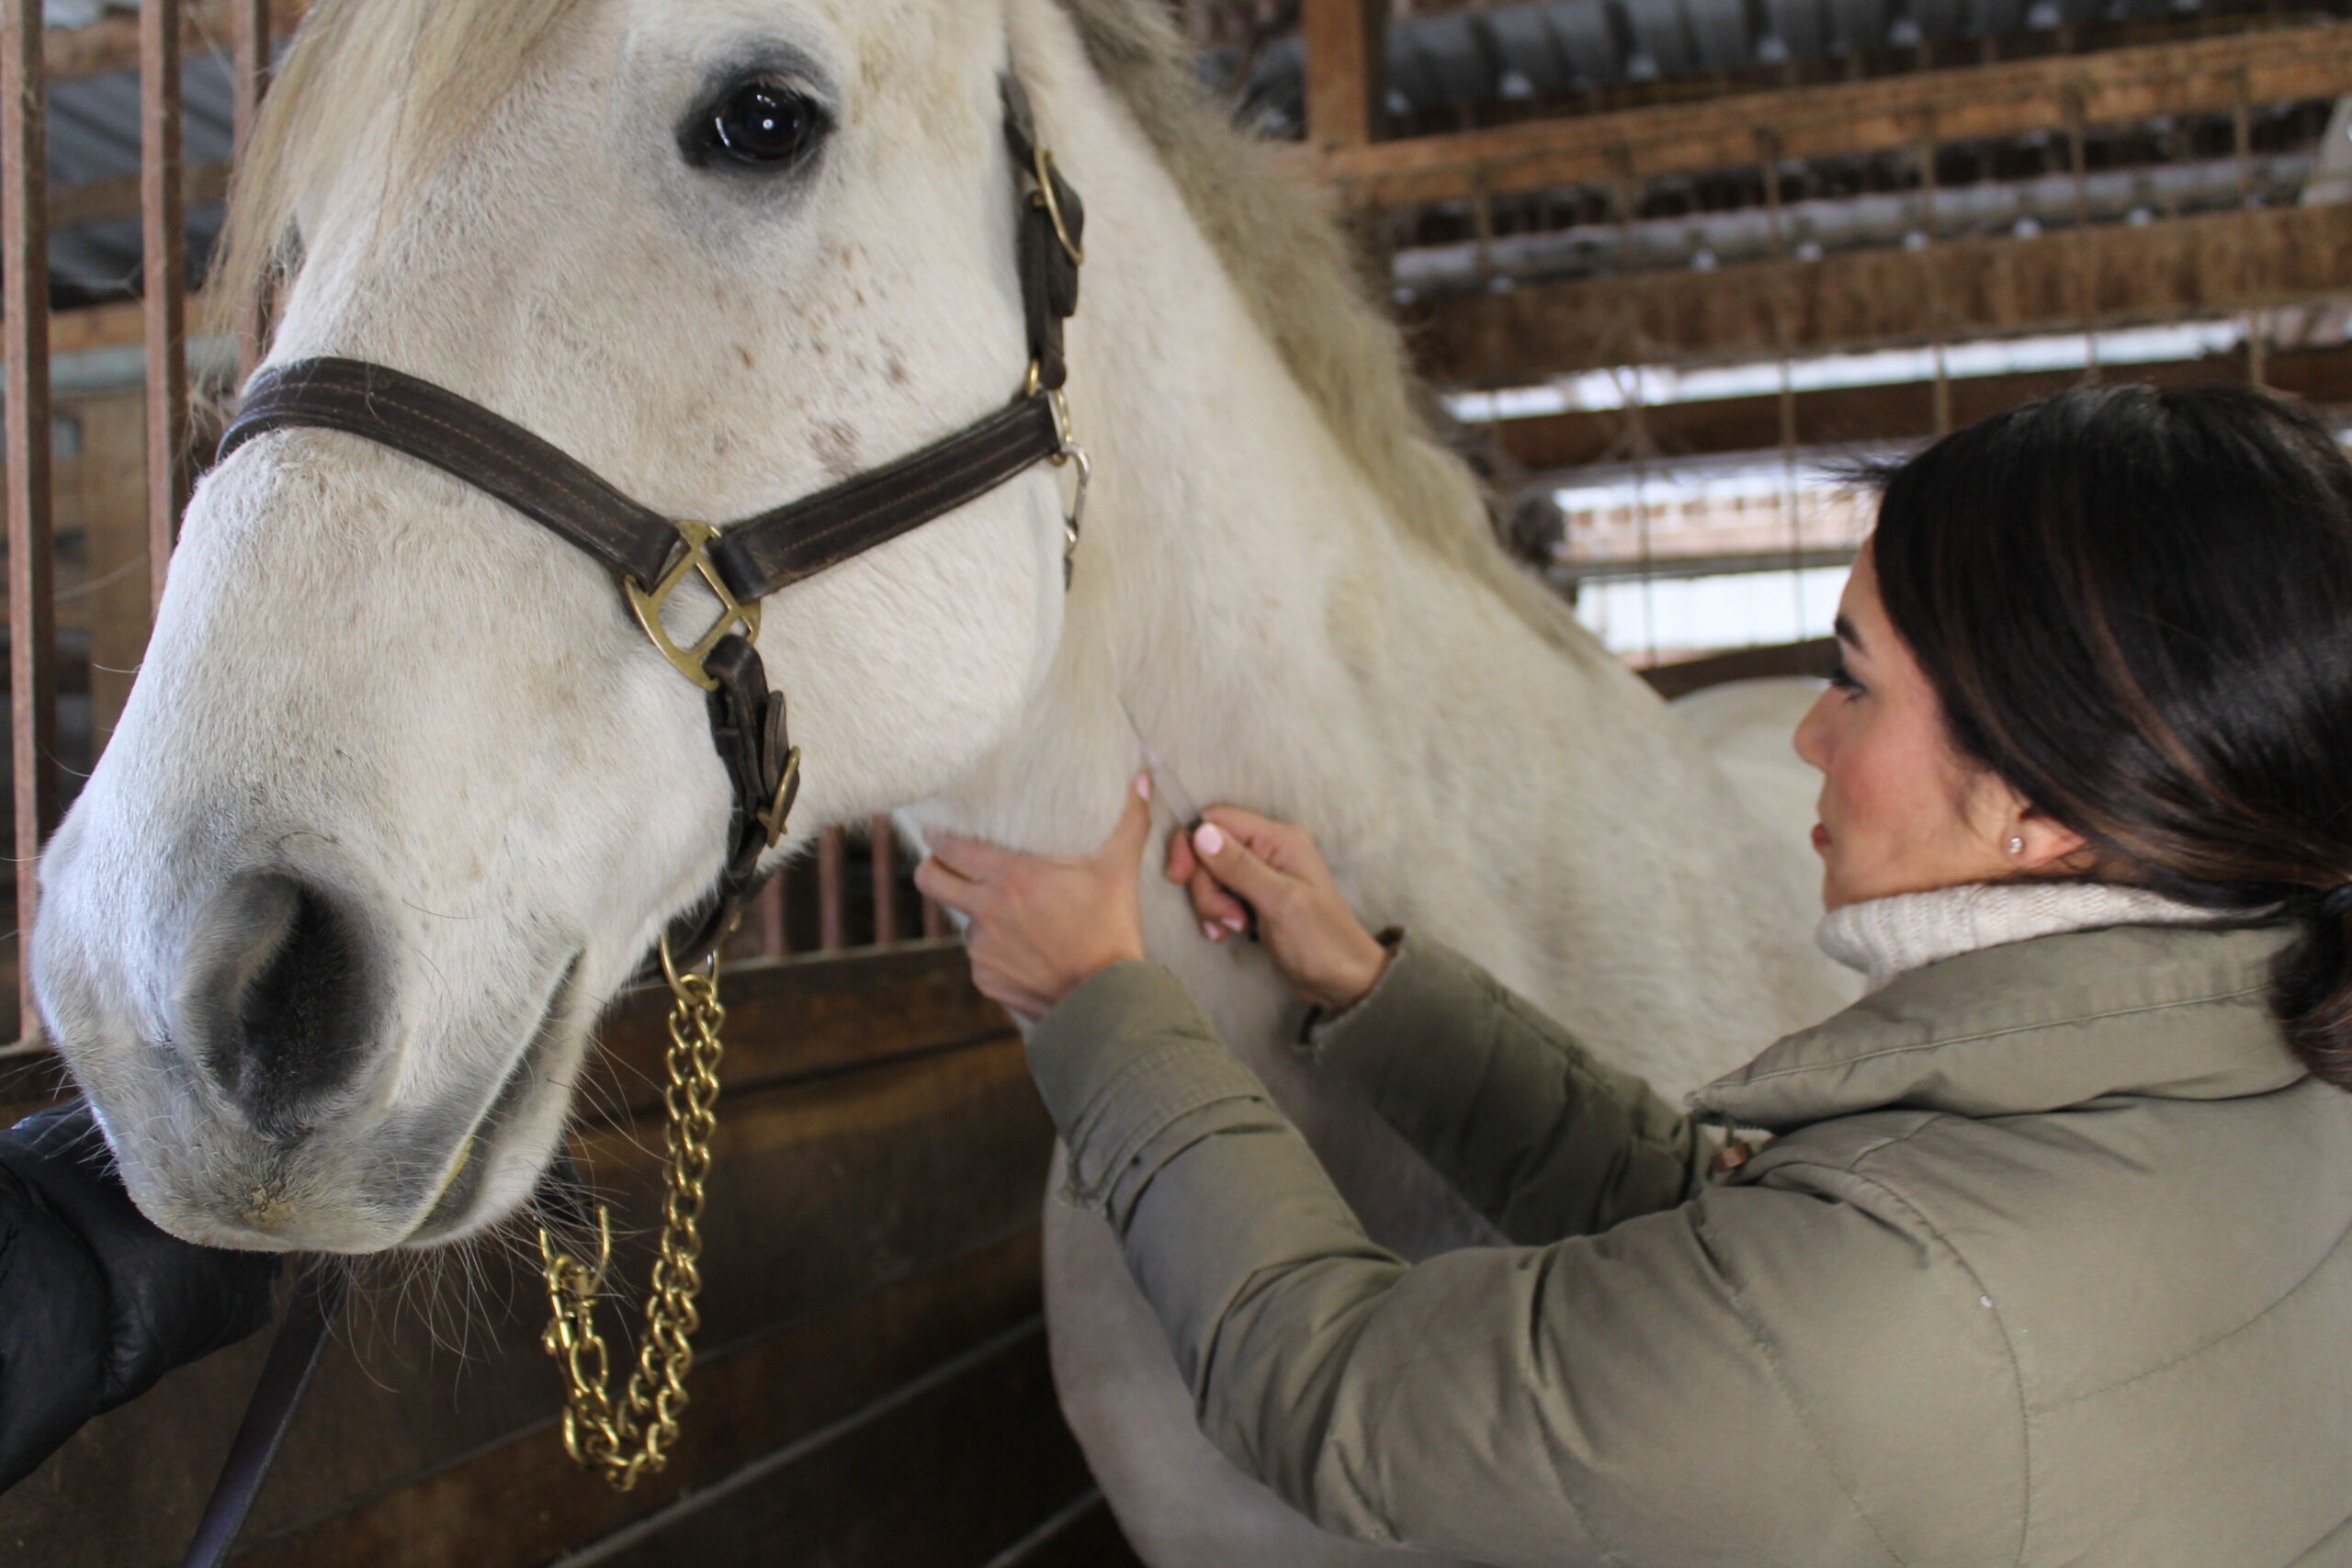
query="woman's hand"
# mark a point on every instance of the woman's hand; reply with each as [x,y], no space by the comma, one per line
[1042,926]
[1304,919]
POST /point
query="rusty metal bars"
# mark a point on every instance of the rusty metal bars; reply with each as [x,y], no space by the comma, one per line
[162,194]
[833,918]
[882,843]
[249,68]
[24,319]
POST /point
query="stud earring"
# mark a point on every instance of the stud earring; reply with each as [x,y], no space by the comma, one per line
[2017,843]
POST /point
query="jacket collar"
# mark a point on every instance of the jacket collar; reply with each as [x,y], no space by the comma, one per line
[2033,1026]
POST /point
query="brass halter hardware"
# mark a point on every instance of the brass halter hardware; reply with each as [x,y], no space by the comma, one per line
[779,809]
[1068,453]
[1052,204]
[621,1437]
[645,605]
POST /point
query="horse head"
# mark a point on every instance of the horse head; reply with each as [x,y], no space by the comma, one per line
[402,796]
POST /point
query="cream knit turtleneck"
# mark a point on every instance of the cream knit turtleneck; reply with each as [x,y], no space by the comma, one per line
[1887,937]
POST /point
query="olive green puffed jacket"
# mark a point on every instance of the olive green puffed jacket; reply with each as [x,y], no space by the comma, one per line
[2049,1262]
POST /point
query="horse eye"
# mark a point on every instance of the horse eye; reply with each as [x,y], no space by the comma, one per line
[762,122]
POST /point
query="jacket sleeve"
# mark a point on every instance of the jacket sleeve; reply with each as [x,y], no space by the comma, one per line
[1749,1378]
[1542,1139]
[96,1304]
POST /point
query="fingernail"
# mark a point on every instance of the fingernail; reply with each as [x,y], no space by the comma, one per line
[1232,922]
[1143,785]
[1209,929]
[1207,839]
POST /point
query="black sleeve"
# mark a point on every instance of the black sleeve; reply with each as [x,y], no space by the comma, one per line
[96,1304]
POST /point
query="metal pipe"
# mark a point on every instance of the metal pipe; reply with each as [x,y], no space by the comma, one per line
[833,920]
[884,841]
[249,69]
[24,322]
[163,280]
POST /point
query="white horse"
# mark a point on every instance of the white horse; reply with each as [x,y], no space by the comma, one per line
[402,797]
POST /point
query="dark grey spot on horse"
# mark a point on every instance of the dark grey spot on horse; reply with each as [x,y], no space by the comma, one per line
[836,447]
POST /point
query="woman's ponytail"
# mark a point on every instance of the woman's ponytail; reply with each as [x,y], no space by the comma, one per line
[2310,991]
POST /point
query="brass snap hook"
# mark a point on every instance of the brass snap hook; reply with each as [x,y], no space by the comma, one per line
[1070,456]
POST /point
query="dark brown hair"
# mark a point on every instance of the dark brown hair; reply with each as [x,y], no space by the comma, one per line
[2136,607]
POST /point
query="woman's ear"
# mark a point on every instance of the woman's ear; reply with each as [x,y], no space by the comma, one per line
[2035,845]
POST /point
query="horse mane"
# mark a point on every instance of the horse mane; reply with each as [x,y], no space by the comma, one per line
[1310,295]
[1288,258]
[452,62]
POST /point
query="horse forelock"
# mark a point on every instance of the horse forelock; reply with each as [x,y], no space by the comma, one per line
[451,61]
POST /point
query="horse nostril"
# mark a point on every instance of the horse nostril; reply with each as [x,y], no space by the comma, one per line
[278,998]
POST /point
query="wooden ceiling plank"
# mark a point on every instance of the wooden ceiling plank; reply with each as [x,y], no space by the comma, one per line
[2214,265]
[1553,447]
[1882,114]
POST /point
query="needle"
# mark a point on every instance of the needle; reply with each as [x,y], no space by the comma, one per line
[1181,802]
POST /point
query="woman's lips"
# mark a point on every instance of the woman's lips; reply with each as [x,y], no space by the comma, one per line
[1820,837]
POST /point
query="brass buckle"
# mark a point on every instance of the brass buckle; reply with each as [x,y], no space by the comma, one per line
[1043,159]
[787,789]
[645,605]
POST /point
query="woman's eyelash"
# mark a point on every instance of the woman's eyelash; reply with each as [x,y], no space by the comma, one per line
[1843,679]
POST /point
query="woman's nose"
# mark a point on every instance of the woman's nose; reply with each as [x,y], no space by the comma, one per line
[1813,739]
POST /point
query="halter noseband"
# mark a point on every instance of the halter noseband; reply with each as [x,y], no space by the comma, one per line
[742,564]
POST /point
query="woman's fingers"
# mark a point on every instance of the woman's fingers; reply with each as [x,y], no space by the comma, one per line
[1236,866]
[1123,849]
[1181,863]
[967,858]
[940,883]
[1220,913]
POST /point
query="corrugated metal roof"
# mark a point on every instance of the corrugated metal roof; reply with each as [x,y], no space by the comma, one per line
[1459,61]
[1446,64]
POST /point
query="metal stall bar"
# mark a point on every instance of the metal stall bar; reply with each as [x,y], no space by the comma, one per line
[883,839]
[24,319]
[162,193]
[774,940]
[249,67]
[832,919]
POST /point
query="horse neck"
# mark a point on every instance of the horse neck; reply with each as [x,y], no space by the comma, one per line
[1250,601]
[1227,535]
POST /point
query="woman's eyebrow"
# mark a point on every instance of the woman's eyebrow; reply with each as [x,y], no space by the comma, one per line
[1847,635]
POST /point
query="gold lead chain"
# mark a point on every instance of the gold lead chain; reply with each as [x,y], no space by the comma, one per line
[622,1439]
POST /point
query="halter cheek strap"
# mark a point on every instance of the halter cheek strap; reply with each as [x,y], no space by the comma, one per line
[741,564]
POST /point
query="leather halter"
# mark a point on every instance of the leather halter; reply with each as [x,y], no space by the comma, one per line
[742,564]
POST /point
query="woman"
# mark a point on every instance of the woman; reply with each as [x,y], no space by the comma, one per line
[2047,1257]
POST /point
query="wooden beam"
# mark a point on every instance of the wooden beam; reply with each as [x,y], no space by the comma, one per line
[1347,70]
[112,43]
[98,201]
[1553,445]
[2188,268]
[2312,60]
